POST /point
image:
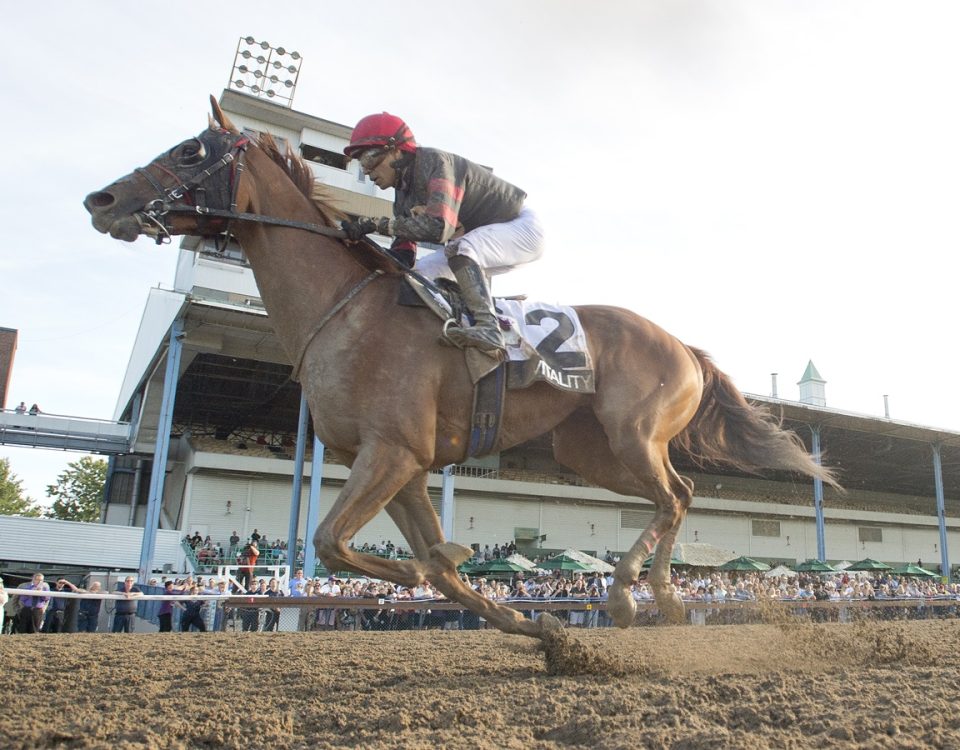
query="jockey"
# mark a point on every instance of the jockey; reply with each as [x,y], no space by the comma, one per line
[445,199]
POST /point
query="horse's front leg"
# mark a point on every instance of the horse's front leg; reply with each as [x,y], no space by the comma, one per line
[414,515]
[502,618]
[377,474]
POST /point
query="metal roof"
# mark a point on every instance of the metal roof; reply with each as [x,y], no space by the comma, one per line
[875,453]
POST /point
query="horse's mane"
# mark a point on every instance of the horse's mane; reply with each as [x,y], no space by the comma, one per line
[299,173]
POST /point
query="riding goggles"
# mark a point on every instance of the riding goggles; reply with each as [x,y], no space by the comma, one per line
[371,158]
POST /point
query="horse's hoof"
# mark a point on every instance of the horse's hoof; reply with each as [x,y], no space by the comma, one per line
[673,610]
[621,607]
[548,623]
[455,553]
[525,626]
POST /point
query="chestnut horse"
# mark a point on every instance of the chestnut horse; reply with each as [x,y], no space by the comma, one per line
[392,404]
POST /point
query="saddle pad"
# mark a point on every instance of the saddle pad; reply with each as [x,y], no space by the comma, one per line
[545,342]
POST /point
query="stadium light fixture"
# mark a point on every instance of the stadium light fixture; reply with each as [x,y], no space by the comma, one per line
[264,71]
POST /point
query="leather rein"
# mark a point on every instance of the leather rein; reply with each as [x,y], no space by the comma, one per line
[153,218]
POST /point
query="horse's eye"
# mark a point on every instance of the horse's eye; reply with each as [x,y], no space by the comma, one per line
[190,153]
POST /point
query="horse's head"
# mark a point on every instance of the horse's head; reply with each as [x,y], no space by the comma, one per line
[179,192]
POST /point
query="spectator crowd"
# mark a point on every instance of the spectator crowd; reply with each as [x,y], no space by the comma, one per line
[35,612]
[211,554]
[195,602]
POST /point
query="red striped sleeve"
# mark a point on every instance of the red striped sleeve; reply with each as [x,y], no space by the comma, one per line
[444,212]
[446,187]
[444,200]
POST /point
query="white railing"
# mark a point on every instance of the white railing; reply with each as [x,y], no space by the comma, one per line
[62,431]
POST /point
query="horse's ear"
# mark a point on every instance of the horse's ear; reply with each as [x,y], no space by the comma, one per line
[221,119]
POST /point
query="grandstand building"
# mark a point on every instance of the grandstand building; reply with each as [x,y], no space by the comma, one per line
[230,461]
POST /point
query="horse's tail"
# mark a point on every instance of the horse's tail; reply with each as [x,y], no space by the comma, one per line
[728,430]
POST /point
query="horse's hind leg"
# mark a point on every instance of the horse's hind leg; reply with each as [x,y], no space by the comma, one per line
[639,468]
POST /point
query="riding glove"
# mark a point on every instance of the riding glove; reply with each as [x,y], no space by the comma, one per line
[357,230]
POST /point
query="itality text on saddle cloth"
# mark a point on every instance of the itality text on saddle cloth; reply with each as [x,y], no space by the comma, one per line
[546,342]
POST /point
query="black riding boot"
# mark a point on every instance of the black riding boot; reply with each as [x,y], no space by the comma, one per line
[485,333]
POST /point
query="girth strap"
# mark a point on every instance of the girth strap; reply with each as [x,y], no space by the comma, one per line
[295,375]
[488,399]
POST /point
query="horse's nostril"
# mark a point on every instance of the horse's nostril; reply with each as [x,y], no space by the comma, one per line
[99,200]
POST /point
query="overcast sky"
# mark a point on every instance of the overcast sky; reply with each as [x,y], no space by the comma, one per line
[769,180]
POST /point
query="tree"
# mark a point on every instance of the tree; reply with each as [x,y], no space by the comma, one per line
[12,500]
[78,492]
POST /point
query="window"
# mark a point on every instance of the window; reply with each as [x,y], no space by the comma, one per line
[869,534]
[525,534]
[635,519]
[229,252]
[323,156]
[436,500]
[765,528]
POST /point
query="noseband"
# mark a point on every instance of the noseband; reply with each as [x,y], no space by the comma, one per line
[154,215]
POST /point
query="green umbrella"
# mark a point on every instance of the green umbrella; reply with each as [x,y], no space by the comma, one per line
[589,561]
[868,564]
[562,562]
[814,566]
[744,564]
[914,570]
[499,566]
[674,562]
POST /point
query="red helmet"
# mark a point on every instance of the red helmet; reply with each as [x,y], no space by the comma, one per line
[384,130]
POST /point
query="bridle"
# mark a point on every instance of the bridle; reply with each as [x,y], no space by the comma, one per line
[154,216]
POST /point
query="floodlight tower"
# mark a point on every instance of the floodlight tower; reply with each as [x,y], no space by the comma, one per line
[265,71]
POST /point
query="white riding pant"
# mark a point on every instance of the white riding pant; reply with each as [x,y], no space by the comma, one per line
[496,248]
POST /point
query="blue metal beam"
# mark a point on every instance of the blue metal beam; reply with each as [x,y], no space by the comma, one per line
[446,503]
[313,509]
[161,450]
[818,498]
[941,514]
[300,452]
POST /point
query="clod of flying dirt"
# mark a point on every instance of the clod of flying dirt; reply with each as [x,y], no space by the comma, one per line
[566,656]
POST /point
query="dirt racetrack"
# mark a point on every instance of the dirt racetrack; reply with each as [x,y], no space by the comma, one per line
[878,685]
